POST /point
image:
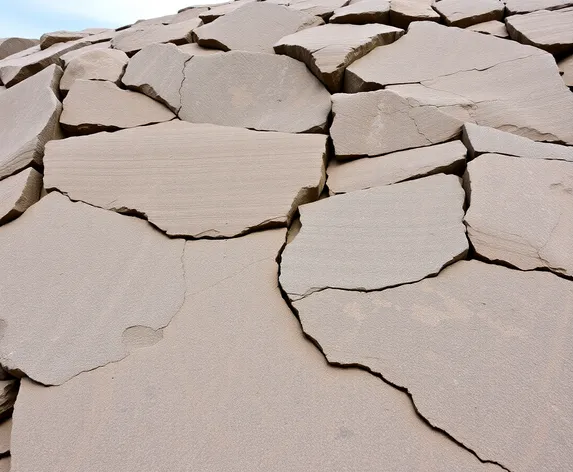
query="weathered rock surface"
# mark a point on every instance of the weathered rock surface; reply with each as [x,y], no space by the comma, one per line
[98,64]
[5,464]
[463,13]
[160,20]
[254,90]
[494,28]
[363,12]
[92,106]
[397,167]
[9,46]
[483,140]
[29,114]
[8,392]
[217,11]
[484,351]
[404,12]
[234,358]
[327,50]
[55,37]
[189,14]
[5,433]
[222,181]
[322,8]
[566,68]
[383,121]
[527,6]
[521,211]
[551,31]
[101,275]
[194,49]
[381,237]
[66,58]
[18,192]
[255,27]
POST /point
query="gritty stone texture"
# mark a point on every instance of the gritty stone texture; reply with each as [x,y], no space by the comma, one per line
[29,115]
[327,50]
[66,58]
[484,351]
[363,12]
[189,14]
[527,6]
[194,49]
[101,273]
[8,392]
[235,344]
[5,464]
[92,106]
[254,90]
[548,30]
[404,12]
[383,121]
[463,13]
[217,11]
[9,46]
[222,182]
[521,211]
[566,68]
[49,39]
[255,27]
[98,64]
[392,168]
[160,20]
[494,28]
[383,236]
[322,8]
[5,432]
[18,192]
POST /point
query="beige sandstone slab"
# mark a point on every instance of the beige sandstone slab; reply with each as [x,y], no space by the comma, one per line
[396,167]
[5,433]
[216,11]
[9,46]
[548,30]
[29,114]
[5,464]
[8,393]
[98,64]
[233,368]
[527,6]
[404,12]
[327,50]
[363,12]
[160,20]
[2,89]
[18,192]
[494,28]
[189,14]
[194,49]
[103,278]
[322,8]
[92,106]
[55,37]
[566,68]
[521,211]
[484,350]
[376,238]
[254,90]
[373,123]
[483,140]
[69,56]
[189,179]
[464,13]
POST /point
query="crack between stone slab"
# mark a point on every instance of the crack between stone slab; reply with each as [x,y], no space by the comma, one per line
[181,86]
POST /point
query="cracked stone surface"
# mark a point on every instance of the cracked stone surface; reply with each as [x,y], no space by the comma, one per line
[527,6]
[382,237]
[223,181]
[55,37]
[255,27]
[216,11]
[101,274]
[380,122]
[96,64]
[363,12]
[494,28]
[231,358]
[9,46]
[521,211]
[66,58]
[29,114]
[464,13]
[18,192]
[404,12]
[5,432]
[396,167]
[327,50]
[92,106]
[322,8]
[484,351]
[254,90]
[566,68]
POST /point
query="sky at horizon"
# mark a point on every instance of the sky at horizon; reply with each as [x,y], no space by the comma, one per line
[32,18]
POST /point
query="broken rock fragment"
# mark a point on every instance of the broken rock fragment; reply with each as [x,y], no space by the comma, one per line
[521,211]
[18,192]
[527,6]
[98,64]
[566,68]
[363,12]
[322,8]
[254,90]
[327,50]
[217,11]
[404,12]
[494,28]
[66,58]
[101,274]
[92,106]
[222,181]
[193,49]
[376,238]
[9,46]
[463,13]
[484,350]
[49,39]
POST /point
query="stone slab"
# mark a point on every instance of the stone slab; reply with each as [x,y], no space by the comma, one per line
[18,192]
[527,6]
[5,433]
[363,12]
[322,8]
[55,37]
[66,58]
[9,46]
[464,13]
[404,12]
[494,28]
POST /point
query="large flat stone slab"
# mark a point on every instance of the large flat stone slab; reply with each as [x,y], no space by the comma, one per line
[222,181]
[255,27]
[55,37]
[254,90]
[327,50]
[9,46]
[566,69]
[233,366]
[101,275]
[396,167]
[92,106]
[376,238]
[322,8]
[404,12]
[363,12]
[66,58]
[484,351]
[216,11]
[494,28]
[18,192]
[464,13]
[521,211]
[527,6]
[29,114]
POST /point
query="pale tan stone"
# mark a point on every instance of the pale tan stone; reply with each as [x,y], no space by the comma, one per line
[232,369]
[92,106]
[363,12]
[194,49]
[69,56]
[8,389]
[216,11]
[254,90]
[5,464]
[494,28]
[527,6]
[404,12]
[55,37]
[18,192]
[9,46]
[101,274]
[98,64]
[397,167]
[327,50]
[484,351]
[160,20]
[464,13]
[5,433]
[29,113]
[566,68]
[376,238]
[222,181]
[322,8]
[189,14]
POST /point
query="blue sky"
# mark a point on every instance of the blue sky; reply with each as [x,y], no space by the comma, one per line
[31,18]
